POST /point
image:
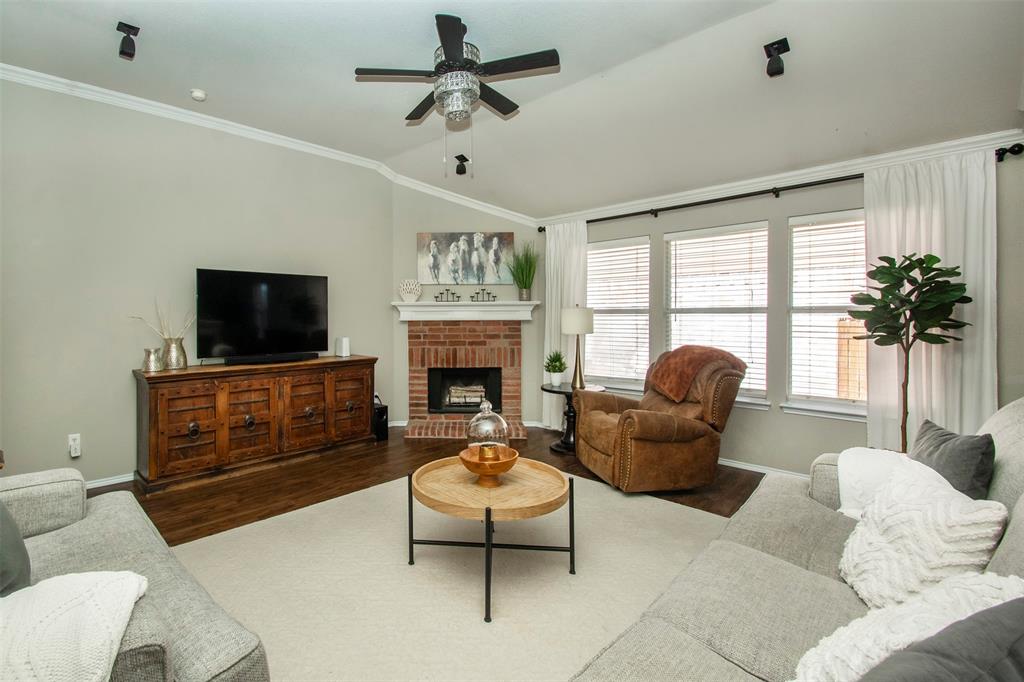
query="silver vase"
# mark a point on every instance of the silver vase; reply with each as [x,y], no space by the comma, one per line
[524,294]
[153,361]
[174,354]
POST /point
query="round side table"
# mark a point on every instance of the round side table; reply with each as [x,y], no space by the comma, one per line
[566,445]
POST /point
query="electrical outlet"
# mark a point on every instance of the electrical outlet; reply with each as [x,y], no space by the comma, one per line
[75,444]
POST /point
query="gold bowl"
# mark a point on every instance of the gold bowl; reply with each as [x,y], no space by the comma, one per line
[488,462]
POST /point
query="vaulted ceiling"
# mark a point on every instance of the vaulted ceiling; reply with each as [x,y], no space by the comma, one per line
[651,98]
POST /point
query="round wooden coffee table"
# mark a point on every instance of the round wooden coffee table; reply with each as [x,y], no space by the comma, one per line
[528,490]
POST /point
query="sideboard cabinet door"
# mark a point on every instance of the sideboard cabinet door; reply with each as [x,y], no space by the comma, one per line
[353,389]
[305,410]
[252,418]
[189,433]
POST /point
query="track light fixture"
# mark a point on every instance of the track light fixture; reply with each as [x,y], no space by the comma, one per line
[773,51]
[127,49]
[461,168]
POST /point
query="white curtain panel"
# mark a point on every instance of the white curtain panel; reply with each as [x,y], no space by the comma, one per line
[565,282]
[945,206]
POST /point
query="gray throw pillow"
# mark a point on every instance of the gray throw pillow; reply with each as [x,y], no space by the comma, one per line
[15,570]
[965,461]
[986,646]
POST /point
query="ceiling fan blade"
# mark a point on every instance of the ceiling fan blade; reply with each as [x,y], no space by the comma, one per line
[502,104]
[394,72]
[422,108]
[524,62]
[451,31]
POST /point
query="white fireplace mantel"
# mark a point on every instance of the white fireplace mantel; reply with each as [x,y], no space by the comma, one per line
[468,310]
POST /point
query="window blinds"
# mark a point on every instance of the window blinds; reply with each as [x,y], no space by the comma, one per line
[827,267]
[618,289]
[718,294]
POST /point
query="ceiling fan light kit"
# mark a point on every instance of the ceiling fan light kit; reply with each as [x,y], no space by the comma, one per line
[458,69]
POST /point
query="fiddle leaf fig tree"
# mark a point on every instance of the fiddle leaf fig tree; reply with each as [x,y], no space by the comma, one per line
[915,302]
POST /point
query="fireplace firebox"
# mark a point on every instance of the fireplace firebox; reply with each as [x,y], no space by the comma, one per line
[462,389]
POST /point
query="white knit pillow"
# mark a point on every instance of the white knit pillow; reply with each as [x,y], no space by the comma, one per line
[67,628]
[854,649]
[917,531]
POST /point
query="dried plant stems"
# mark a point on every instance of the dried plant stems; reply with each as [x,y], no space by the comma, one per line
[162,329]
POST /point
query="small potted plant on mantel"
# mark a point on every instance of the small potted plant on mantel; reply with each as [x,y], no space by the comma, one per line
[523,269]
[555,366]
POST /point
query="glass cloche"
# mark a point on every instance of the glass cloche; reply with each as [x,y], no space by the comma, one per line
[487,428]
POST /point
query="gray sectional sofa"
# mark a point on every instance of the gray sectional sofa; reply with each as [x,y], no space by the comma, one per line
[768,589]
[176,631]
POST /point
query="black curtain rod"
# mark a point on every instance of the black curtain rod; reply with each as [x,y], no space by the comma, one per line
[1015,149]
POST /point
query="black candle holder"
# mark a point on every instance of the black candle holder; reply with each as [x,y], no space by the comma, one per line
[482,296]
[447,296]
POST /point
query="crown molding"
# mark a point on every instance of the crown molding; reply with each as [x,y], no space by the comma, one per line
[45,81]
[831,170]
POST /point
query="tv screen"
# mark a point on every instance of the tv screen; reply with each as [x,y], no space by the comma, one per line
[259,313]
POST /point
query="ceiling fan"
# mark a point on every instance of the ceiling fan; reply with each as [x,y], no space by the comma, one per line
[457,70]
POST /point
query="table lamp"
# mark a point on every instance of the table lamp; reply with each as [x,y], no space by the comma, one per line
[577,321]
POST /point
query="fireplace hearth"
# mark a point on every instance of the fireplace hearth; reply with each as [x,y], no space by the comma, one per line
[462,389]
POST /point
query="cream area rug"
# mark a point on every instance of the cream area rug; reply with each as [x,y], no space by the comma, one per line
[329,589]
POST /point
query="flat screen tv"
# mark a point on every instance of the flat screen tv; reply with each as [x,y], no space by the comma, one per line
[260,316]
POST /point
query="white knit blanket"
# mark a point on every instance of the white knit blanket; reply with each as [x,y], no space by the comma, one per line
[67,628]
[862,472]
[852,650]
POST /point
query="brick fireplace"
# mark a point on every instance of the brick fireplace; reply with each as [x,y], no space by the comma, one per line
[492,344]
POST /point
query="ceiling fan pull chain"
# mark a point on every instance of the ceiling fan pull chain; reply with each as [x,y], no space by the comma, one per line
[472,150]
[444,147]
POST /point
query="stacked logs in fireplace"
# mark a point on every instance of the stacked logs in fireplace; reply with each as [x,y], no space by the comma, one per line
[462,389]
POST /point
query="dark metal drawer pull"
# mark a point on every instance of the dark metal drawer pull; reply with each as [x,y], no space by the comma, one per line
[350,406]
[309,412]
[193,430]
[250,422]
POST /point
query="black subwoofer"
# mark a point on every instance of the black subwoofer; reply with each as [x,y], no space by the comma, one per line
[380,421]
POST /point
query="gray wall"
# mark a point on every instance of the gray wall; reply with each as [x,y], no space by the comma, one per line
[418,212]
[105,209]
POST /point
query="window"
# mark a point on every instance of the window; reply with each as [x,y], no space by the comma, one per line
[718,294]
[618,284]
[827,253]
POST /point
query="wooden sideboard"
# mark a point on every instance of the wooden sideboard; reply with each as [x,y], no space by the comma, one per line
[205,420]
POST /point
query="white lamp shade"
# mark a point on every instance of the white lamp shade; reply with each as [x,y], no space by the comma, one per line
[577,320]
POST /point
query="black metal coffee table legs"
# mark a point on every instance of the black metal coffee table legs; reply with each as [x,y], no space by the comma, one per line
[489,545]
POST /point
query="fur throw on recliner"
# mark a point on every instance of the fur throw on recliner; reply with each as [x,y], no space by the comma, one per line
[676,370]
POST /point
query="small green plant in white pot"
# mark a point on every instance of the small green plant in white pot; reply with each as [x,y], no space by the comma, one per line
[555,366]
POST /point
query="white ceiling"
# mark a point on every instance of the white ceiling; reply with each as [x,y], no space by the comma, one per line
[651,98]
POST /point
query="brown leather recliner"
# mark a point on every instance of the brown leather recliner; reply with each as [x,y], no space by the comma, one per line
[657,443]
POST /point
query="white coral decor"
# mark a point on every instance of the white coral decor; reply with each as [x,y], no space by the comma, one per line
[409,290]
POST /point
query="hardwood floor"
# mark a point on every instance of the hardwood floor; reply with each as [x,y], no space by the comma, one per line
[191,512]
